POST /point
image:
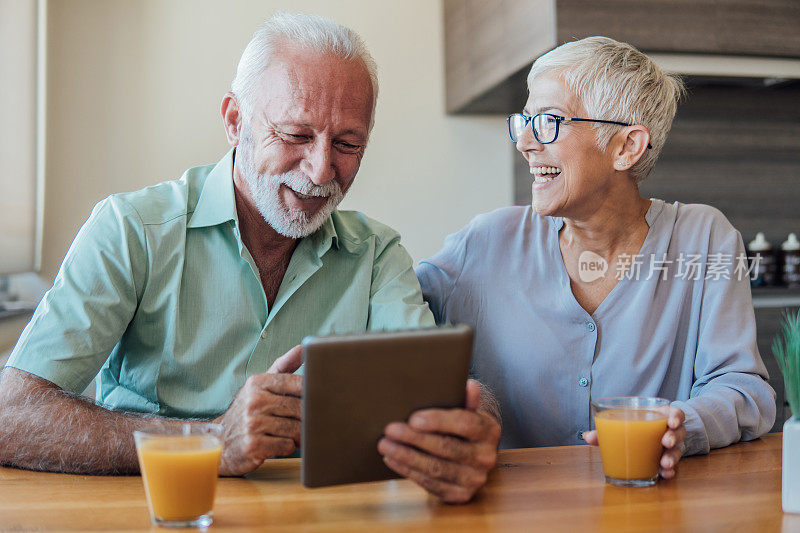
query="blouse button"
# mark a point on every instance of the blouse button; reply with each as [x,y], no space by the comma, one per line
[590,326]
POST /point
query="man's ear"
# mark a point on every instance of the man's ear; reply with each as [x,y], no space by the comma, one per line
[635,140]
[231,118]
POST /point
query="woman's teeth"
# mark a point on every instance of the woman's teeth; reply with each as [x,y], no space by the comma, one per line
[545,174]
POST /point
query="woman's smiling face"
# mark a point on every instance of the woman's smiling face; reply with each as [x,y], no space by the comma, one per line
[572,174]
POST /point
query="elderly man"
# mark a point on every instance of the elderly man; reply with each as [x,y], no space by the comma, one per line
[186,292]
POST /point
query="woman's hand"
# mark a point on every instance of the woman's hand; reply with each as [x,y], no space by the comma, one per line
[672,441]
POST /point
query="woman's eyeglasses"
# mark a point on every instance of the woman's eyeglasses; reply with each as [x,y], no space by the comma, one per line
[545,125]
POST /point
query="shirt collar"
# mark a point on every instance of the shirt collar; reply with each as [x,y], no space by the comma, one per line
[216,204]
[325,237]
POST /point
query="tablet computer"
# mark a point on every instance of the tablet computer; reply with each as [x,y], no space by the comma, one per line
[357,384]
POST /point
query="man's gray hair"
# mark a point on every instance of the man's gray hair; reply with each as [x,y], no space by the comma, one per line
[305,31]
[615,81]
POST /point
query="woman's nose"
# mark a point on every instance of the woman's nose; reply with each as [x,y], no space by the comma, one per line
[527,141]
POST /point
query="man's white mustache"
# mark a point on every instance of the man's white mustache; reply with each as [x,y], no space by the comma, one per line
[299,182]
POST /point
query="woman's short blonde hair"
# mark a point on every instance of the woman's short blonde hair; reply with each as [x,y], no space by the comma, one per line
[615,81]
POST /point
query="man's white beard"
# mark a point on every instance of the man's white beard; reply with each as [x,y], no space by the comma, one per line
[288,221]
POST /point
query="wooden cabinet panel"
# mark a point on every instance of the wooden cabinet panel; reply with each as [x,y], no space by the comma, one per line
[485,42]
[732,27]
[490,45]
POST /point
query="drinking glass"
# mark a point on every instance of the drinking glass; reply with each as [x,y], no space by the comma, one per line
[180,466]
[629,432]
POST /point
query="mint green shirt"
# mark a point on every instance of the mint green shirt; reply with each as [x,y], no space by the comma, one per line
[159,293]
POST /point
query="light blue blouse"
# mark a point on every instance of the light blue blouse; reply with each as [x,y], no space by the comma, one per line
[667,329]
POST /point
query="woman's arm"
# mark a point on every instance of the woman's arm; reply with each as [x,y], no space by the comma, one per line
[730,399]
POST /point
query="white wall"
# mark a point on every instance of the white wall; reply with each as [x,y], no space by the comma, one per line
[134,88]
[18,134]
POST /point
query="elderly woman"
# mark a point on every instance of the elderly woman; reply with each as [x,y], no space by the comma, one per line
[596,291]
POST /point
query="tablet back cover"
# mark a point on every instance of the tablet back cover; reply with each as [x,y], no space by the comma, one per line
[355,385]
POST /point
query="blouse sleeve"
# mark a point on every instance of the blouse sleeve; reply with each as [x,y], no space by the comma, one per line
[730,399]
[439,275]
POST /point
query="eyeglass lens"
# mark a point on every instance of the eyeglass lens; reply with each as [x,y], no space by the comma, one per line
[545,127]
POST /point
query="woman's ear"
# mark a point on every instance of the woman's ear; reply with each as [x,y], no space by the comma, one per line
[635,140]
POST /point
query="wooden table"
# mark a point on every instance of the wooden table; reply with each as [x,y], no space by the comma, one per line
[732,489]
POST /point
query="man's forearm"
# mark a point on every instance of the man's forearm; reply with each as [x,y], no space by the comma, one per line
[43,427]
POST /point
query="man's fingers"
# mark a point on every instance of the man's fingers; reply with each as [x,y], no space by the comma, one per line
[481,455]
[276,426]
[432,467]
[473,395]
[288,362]
[286,384]
[460,422]
[247,453]
[286,431]
[279,405]
[448,492]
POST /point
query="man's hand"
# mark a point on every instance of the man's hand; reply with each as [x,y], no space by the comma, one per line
[264,418]
[671,441]
[448,452]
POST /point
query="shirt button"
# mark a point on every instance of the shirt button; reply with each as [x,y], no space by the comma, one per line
[579,435]
[583,382]
[264,334]
[590,326]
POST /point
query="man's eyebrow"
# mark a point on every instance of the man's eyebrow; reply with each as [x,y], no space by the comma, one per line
[356,133]
[284,123]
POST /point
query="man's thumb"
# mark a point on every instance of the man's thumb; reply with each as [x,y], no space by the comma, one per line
[288,362]
[473,395]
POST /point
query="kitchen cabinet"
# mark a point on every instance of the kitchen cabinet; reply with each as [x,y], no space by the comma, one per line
[490,45]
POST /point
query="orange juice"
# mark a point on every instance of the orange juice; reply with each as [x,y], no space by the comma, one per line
[630,442]
[180,475]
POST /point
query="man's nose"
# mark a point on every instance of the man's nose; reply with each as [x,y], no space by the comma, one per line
[319,163]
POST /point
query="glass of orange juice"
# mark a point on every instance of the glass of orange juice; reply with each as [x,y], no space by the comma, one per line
[629,432]
[180,465]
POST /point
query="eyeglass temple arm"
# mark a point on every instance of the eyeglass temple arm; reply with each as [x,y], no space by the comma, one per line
[566,119]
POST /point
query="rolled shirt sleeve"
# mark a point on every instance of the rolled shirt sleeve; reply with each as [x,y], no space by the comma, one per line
[93,298]
[395,296]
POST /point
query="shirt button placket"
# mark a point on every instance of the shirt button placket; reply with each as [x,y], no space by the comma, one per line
[584,381]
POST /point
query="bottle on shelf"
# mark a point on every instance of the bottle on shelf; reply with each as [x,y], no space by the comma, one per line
[791,261]
[765,270]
